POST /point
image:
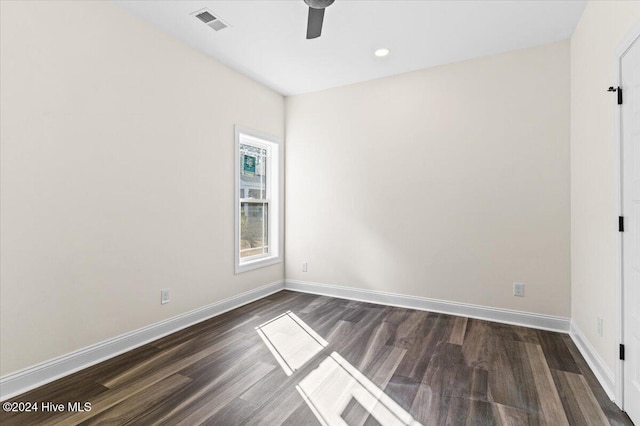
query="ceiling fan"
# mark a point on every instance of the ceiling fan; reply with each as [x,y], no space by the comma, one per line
[316,16]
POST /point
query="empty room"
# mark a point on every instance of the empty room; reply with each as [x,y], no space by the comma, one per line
[319,212]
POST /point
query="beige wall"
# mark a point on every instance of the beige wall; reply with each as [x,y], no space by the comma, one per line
[449,183]
[593,211]
[117,176]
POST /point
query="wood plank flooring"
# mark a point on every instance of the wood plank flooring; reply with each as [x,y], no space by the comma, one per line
[336,362]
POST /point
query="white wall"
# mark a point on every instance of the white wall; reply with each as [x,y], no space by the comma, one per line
[593,211]
[117,176]
[449,183]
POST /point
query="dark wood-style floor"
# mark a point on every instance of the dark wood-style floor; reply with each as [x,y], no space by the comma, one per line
[338,362]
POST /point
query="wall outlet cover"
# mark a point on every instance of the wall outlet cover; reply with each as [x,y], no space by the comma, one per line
[164,296]
[518,289]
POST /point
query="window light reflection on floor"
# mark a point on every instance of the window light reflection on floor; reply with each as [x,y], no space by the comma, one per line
[291,341]
[335,391]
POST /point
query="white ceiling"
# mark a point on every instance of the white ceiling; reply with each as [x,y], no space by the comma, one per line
[266,40]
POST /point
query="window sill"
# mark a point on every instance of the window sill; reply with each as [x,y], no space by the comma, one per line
[258,263]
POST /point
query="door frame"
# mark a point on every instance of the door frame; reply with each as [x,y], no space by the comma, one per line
[622,48]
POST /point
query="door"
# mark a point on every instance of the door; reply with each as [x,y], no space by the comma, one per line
[630,126]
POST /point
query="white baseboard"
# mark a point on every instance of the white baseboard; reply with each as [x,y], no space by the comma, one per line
[527,319]
[24,380]
[602,372]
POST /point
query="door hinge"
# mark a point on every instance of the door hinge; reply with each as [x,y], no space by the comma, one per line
[621,351]
[619,95]
[621,223]
[616,89]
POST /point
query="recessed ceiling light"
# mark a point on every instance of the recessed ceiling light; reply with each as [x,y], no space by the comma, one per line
[382,52]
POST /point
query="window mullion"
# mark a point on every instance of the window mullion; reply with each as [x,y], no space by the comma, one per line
[255,200]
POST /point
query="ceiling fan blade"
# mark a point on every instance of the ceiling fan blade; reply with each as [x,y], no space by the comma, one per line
[314,24]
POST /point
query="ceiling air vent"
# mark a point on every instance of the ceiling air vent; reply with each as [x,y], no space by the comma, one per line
[211,20]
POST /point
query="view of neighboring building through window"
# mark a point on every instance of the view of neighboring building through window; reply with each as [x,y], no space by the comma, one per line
[258,188]
[254,201]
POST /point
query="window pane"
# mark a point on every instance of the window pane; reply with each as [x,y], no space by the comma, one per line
[254,232]
[253,168]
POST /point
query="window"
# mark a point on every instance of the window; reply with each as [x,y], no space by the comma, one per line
[258,200]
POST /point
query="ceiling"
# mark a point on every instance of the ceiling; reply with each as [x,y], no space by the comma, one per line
[266,39]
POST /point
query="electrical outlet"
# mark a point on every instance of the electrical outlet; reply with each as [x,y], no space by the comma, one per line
[164,296]
[304,266]
[600,326]
[518,289]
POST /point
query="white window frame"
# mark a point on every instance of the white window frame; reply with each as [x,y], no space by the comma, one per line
[275,198]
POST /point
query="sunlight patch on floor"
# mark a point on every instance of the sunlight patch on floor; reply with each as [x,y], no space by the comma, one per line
[329,389]
[291,341]
[335,388]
